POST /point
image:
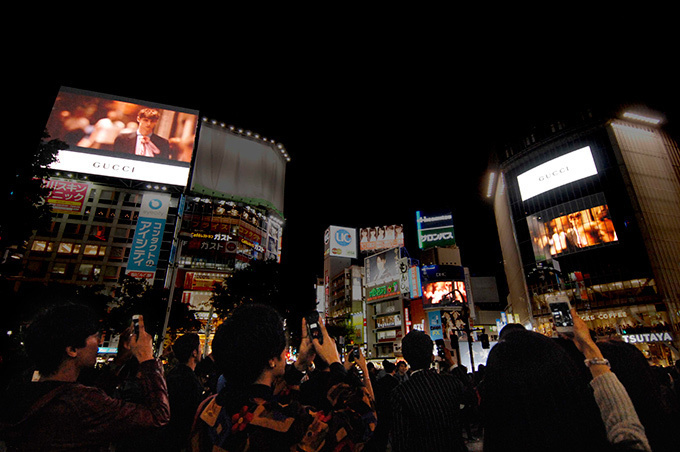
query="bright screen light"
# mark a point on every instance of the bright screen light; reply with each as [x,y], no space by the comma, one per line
[567,168]
[564,234]
[104,137]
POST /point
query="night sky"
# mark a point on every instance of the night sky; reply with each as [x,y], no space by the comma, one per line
[373,137]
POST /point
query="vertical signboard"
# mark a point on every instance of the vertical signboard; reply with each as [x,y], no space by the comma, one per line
[435,323]
[146,244]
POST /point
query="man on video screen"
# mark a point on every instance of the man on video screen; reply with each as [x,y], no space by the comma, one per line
[144,141]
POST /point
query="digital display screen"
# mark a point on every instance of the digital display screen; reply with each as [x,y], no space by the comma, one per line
[123,138]
[435,293]
[572,232]
[561,314]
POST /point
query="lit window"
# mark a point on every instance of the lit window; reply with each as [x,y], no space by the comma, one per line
[65,248]
[91,250]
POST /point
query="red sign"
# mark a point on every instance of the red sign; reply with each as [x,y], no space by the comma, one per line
[67,196]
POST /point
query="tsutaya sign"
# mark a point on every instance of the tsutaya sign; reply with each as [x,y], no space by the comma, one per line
[648,337]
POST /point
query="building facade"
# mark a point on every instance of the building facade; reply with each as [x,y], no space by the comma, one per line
[589,207]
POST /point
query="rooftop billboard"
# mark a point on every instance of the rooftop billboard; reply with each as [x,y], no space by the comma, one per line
[125,138]
[381,237]
[435,229]
[240,168]
[340,242]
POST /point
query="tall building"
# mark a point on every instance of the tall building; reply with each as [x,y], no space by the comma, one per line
[182,209]
[588,206]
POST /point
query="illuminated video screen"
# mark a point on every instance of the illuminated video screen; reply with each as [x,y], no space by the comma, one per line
[572,232]
[435,293]
[124,138]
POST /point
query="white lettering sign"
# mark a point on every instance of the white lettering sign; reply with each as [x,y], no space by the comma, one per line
[437,237]
[648,337]
[557,172]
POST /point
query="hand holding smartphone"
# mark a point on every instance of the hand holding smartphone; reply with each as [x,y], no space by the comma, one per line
[313,328]
[135,324]
[142,342]
[560,308]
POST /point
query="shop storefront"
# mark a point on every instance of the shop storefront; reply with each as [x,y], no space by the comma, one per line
[642,325]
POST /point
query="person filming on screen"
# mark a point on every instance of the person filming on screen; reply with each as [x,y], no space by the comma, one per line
[144,141]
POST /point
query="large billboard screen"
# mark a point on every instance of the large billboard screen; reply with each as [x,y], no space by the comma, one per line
[564,233]
[435,229]
[381,237]
[562,170]
[382,268]
[239,167]
[435,293]
[130,139]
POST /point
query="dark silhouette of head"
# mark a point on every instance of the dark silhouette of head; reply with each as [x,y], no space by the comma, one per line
[534,398]
[185,345]
[56,328]
[246,341]
[416,347]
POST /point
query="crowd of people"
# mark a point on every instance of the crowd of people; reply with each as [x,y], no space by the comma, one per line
[535,393]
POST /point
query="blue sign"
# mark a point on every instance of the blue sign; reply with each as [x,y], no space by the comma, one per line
[343,237]
[146,244]
[435,321]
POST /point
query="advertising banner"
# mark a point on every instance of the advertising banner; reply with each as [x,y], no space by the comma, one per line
[443,273]
[125,138]
[382,268]
[435,322]
[342,242]
[66,196]
[435,293]
[381,238]
[562,170]
[241,168]
[435,230]
[565,229]
[146,244]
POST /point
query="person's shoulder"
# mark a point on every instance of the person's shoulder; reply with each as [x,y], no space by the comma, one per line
[126,135]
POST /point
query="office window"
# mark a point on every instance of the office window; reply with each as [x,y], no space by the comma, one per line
[42,246]
[94,250]
[68,248]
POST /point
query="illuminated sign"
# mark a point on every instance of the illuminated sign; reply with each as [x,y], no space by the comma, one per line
[383,291]
[381,238]
[442,272]
[562,170]
[435,230]
[382,268]
[116,137]
[341,242]
[66,196]
[648,337]
[148,238]
[100,165]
